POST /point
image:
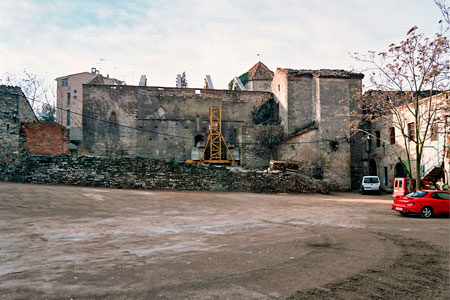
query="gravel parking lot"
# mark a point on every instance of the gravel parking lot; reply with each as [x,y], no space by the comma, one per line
[60,242]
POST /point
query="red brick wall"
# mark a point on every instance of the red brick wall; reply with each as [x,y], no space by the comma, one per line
[45,139]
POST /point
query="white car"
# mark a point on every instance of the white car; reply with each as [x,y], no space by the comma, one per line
[370,184]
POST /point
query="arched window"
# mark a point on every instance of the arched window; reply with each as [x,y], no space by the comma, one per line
[113,118]
[198,138]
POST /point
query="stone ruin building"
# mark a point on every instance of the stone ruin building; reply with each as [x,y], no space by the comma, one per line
[173,123]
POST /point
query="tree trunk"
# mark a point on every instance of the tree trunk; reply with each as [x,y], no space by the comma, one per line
[418,160]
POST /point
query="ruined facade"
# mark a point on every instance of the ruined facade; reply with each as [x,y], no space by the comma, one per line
[173,123]
[157,122]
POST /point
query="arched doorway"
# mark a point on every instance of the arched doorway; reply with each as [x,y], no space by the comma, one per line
[372,168]
[400,171]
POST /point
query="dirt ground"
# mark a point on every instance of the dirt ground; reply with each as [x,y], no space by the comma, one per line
[59,242]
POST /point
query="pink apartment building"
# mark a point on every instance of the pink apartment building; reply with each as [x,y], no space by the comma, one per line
[69,101]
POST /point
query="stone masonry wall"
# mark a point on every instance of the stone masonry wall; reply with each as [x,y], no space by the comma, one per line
[45,139]
[334,126]
[301,101]
[144,173]
[12,101]
[158,122]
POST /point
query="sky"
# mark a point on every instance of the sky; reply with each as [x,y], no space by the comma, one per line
[125,39]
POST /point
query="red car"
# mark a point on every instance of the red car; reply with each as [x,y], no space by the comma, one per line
[425,203]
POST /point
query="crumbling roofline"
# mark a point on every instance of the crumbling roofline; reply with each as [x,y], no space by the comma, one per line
[322,73]
[161,88]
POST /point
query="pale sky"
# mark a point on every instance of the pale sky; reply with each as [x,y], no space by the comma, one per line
[125,39]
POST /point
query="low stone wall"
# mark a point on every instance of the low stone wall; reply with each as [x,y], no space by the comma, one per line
[144,173]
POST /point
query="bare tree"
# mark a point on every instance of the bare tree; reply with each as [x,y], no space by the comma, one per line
[402,77]
[445,9]
[38,91]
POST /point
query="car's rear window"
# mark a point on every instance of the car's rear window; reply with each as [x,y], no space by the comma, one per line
[371,180]
[417,194]
[444,196]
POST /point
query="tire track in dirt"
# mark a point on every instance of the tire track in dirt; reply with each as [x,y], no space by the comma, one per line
[420,272]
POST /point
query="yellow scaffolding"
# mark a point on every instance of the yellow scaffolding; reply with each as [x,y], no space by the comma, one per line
[215,140]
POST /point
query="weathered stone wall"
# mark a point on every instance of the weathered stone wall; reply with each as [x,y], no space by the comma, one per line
[12,101]
[301,102]
[45,139]
[158,122]
[144,173]
[304,150]
[334,127]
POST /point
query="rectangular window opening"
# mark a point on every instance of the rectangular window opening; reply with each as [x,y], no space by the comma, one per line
[385,175]
[378,136]
[411,134]
[64,82]
[434,132]
[392,135]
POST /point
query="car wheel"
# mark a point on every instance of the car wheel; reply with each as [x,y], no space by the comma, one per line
[362,191]
[426,212]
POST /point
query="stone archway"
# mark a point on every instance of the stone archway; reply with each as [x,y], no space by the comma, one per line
[373,168]
[400,171]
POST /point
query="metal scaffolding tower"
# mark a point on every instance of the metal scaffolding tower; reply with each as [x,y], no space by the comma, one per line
[215,140]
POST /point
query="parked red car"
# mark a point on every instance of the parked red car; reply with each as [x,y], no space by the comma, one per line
[425,203]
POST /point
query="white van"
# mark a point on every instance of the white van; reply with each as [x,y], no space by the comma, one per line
[370,184]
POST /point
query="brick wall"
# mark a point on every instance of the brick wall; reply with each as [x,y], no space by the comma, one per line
[45,139]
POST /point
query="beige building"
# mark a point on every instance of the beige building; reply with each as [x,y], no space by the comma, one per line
[386,145]
[69,100]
